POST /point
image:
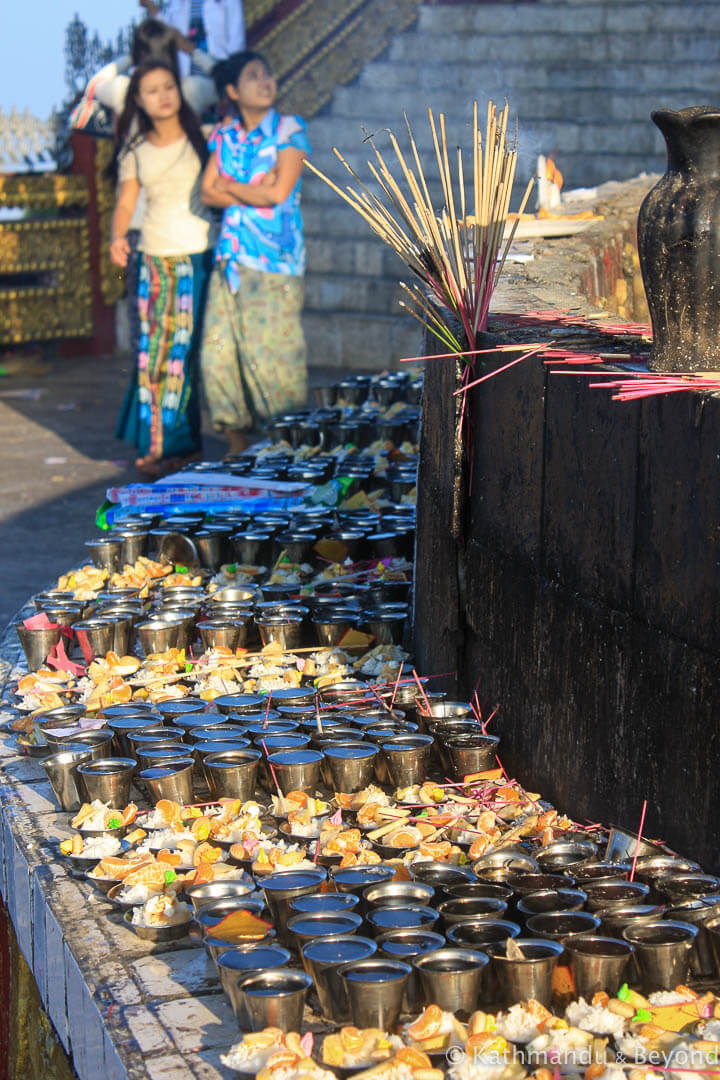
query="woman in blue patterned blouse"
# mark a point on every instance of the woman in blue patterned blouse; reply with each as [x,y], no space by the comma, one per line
[253,354]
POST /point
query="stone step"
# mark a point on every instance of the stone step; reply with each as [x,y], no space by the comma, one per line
[351,292]
[576,16]
[351,341]
[363,257]
[588,47]
[560,105]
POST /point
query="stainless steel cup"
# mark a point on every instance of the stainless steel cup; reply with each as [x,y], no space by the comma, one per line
[296,770]
[210,891]
[232,773]
[108,780]
[604,895]
[375,989]
[699,912]
[529,976]
[473,755]
[36,644]
[713,932]
[304,927]
[170,780]
[99,743]
[452,978]
[276,999]
[106,553]
[62,773]
[406,945]
[397,894]
[285,886]
[598,963]
[223,633]
[95,636]
[236,966]
[351,768]
[471,909]
[325,960]
[662,951]
[406,758]
[156,636]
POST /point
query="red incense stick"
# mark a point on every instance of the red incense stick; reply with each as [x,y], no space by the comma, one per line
[639,839]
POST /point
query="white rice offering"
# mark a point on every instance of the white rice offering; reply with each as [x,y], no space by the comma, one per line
[138,894]
[96,821]
[595,1018]
[165,910]
[308,1070]
[249,1058]
[670,997]
[473,1067]
[99,847]
[166,839]
[633,1047]
[567,1045]
[518,1025]
[710,1030]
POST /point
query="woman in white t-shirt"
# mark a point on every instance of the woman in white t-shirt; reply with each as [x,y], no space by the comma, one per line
[163,158]
[216,27]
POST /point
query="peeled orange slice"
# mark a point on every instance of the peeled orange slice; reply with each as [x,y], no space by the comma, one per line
[171,858]
[427,1024]
[170,810]
[409,1055]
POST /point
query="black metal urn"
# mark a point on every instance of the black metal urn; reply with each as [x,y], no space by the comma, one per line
[679,243]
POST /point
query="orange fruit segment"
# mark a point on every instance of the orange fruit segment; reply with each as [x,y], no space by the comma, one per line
[427,1024]
[206,853]
[172,858]
[170,810]
[410,1055]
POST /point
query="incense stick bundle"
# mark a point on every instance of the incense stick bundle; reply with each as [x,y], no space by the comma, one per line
[457,257]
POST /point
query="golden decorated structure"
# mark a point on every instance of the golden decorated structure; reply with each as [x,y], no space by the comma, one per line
[45,285]
[314,46]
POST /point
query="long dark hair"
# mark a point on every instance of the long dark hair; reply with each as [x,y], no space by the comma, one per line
[154,40]
[134,123]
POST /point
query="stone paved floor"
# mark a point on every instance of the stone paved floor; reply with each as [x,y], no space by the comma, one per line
[57,458]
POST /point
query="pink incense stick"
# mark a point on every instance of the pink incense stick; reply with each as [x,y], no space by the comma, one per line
[421,688]
[486,722]
[267,709]
[498,371]
[639,839]
[397,683]
[273,774]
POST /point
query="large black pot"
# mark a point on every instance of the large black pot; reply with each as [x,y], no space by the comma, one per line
[679,243]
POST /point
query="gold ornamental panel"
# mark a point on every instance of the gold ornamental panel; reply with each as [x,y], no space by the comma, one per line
[41,314]
[43,191]
[112,280]
[28,247]
[59,304]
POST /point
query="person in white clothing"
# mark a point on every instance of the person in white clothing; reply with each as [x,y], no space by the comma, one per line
[216,27]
